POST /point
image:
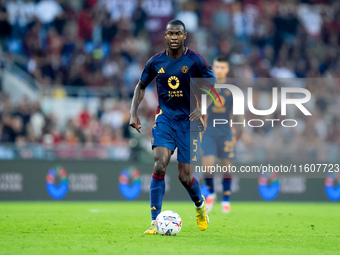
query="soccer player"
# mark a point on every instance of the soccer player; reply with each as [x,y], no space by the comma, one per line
[219,141]
[178,119]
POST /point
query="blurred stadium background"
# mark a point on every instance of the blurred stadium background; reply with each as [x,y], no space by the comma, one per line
[69,68]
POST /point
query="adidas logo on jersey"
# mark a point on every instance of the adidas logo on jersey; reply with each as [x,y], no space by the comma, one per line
[194,158]
[161,70]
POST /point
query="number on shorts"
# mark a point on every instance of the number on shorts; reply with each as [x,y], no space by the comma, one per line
[195,144]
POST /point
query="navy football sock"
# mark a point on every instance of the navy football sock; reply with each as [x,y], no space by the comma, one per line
[157,189]
[194,191]
[209,181]
[226,188]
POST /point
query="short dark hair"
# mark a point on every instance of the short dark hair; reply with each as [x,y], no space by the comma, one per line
[176,22]
[221,58]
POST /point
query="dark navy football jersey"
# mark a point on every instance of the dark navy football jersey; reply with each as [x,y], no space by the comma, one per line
[175,87]
[218,111]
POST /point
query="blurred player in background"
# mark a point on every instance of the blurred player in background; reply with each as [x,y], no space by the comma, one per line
[219,141]
[178,120]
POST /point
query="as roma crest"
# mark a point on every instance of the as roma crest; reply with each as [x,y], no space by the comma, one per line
[184,69]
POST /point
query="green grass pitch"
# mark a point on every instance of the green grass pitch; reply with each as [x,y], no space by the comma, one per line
[117,228]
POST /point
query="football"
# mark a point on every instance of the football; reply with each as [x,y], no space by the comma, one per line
[168,223]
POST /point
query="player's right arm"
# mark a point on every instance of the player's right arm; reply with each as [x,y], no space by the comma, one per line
[136,100]
[147,76]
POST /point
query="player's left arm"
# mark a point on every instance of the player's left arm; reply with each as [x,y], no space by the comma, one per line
[207,74]
[197,113]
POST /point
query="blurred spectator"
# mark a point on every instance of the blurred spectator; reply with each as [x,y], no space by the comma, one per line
[15,10]
[291,39]
[70,46]
[188,15]
[85,23]
[282,70]
[8,134]
[118,9]
[22,14]
[23,112]
[37,122]
[115,120]
[5,27]
[311,18]
[221,19]
[109,27]
[33,40]
[139,18]
[47,10]
[84,118]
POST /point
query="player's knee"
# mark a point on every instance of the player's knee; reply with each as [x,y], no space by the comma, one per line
[159,167]
[185,179]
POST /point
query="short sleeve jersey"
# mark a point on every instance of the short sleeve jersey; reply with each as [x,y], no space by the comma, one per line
[176,90]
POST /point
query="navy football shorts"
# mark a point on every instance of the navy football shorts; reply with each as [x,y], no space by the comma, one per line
[188,144]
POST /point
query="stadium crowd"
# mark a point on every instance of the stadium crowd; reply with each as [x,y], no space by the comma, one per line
[106,43]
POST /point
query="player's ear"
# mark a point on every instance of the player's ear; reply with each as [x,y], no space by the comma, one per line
[185,35]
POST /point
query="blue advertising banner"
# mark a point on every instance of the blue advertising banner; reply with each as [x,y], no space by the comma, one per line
[36,180]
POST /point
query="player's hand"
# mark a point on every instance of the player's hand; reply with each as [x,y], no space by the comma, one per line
[135,123]
[196,114]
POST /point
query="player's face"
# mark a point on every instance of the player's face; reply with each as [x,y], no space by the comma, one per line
[220,69]
[175,37]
